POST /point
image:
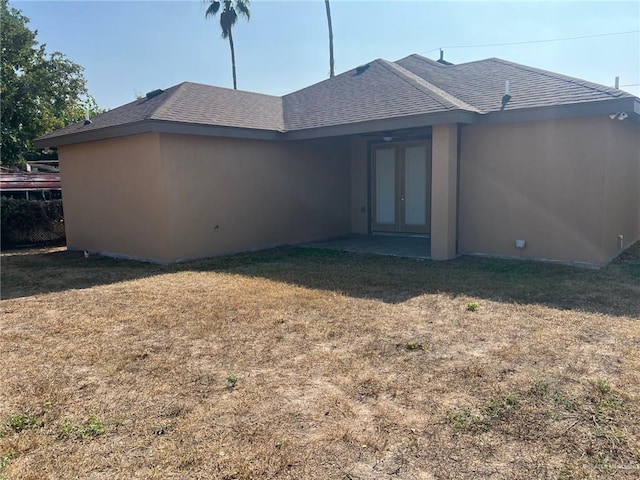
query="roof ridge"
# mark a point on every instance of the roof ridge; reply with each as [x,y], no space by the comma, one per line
[583,83]
[167,100]
[422,85]
[326,80]
[425,60]
[251,92]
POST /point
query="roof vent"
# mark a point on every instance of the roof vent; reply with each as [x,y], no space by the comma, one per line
[507,96]
[442,60]
[154,93]
[87,120]
[361,69]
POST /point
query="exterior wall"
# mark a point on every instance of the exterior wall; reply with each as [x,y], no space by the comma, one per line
[569,188]
[556,184]
[444,192]
[229,195]
[114,197]
[359,186]
[622,186]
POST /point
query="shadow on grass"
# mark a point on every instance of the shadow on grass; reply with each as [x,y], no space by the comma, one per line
[614,290]
[31,272]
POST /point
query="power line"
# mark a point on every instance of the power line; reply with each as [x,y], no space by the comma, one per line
[536,41]
[631,85]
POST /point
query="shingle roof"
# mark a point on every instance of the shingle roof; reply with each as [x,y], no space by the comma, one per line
[192,103]
[380,90]
[205,104]
[482,83]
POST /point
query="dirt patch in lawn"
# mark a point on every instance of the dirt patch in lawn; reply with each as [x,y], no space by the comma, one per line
[301,363]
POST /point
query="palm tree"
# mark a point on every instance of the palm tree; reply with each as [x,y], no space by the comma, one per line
[228,18]
[331,63]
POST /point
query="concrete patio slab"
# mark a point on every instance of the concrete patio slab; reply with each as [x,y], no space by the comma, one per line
[391,245]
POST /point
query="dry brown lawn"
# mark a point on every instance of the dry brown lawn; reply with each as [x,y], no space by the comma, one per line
[311,364]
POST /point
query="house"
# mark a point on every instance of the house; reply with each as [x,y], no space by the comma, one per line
[487,157]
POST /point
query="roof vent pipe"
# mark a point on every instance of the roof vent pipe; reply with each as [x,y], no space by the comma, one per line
[617,82]
[441,60]
[87,121]
[506,97]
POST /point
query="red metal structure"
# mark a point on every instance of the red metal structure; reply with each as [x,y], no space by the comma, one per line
[22,184]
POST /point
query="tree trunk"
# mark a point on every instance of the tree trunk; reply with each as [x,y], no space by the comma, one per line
[331,63]
[233,60]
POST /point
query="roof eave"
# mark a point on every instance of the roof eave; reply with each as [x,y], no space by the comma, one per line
[634,116]
[630,105]
[394,123]
[156,126]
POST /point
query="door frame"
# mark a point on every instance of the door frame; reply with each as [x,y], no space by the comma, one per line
[399,227]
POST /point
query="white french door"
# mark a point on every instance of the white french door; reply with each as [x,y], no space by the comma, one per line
[401,187]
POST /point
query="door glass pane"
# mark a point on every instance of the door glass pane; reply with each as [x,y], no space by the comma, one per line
[386,186]
[415,185]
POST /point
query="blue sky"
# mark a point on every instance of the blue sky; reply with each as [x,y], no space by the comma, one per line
[130,48]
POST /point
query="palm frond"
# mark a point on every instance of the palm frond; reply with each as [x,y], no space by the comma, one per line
[212,9]
[242,6]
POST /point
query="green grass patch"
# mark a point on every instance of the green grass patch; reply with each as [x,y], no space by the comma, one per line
[500,406]
[18,423]
[472,306]
[415,346]
[92,427]
[463,419]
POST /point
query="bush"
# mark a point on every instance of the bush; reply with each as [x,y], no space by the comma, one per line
[31,221]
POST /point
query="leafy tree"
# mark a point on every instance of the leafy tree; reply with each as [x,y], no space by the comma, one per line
[40,91]
[228,18]
[331,62]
